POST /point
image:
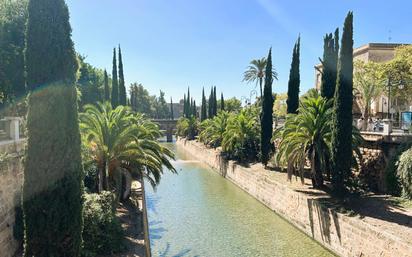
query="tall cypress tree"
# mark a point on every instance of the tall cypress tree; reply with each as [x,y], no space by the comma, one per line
[329,64]
[172,116]
[203,113]
[122,87]
[194,109]
[106,87]
[267,113]
[210,104]
[52,189]
[294,80]
[214,102]
[342,120]
[222,102]
[115,82]
[184,106]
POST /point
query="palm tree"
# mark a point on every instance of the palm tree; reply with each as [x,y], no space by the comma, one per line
[211,130]
[120,143]
[242,135]
[306,136]
[256,72]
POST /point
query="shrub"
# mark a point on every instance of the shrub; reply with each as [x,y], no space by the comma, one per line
[393,185]
[404,172]
[187,127]
[102,233]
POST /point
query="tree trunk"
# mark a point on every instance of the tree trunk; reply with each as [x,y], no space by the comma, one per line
[317,176]
[260,84]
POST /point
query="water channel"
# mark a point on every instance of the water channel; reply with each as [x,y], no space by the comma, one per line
[199,213]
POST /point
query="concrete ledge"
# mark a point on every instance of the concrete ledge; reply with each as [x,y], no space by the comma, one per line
[342,234]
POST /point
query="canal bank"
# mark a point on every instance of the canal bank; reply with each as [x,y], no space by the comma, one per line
[303,207]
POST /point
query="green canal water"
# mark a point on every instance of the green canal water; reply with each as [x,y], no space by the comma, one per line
[198,213]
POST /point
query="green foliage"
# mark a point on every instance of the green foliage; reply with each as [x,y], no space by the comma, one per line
[404,173]
[222,102]
[89,83]
[369,82]
[162,110]
[266,122]
[233,105]
[102,233]
[115,82]
[279,106]
[187,127]
[52,189]
[294,80]
[211,130]
[203,112]
[241,140]
[13,17]
[122,88]
[106,87]
[329,65]
[306,136]
[342,119]
[393,185]
[52,186]
[256,72]
[121,141]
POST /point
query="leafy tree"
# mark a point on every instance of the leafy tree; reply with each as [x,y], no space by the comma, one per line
[330,64]
[232,104]
[89,83]
[256,73]
[404,172]
[241,139]
[266,122]
[294,81]
[163,112]
[120,143]
[307,136]
[115,82]
[13,17]
[187,127]
[211,130]
[342,119]
[141,101]
[122,88]
[52,189]
[203,113]
[279,106]
[106,87]
[369,82]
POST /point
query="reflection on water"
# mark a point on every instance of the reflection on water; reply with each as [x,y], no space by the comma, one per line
[198,213]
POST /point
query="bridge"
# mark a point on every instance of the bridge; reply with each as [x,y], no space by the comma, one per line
[167,126]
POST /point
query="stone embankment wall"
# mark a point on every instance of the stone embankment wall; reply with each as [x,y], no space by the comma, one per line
[342,234]
[11,181]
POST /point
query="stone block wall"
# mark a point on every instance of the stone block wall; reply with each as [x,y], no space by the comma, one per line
[11,181]
[342,234]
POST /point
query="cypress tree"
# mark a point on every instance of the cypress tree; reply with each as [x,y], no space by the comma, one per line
[214,102]
[194,109]
[52,188]
[172,117]
[106,87]
[329,64]
[342,120]
[191,108]
[122,88]
[203,114]
[115,83]
[222,102]
[294,80]
[267,113]
[184,106]
[210,104]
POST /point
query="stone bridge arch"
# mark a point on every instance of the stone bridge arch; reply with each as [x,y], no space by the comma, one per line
[168,127]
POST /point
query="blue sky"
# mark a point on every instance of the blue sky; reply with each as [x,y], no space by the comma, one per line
[172,44]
